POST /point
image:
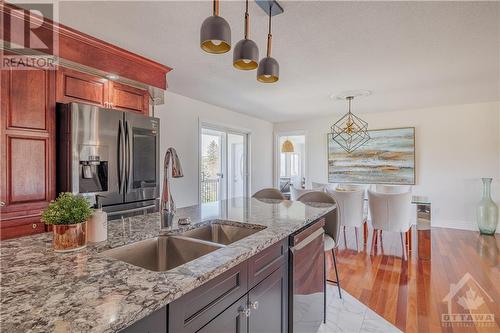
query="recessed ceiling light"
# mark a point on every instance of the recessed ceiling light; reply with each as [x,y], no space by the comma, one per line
[112,76]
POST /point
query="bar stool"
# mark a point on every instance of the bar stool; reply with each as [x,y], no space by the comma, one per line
[269,193]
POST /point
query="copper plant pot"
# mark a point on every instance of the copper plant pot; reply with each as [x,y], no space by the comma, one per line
[69,237]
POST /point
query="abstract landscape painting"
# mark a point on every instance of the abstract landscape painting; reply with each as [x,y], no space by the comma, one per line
[387,158]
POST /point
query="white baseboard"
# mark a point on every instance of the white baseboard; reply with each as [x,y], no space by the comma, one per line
[457,224]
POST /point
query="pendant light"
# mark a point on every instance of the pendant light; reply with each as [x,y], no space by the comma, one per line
[246,52]
[350,131]
[287,146]
[215,33]
[269,69]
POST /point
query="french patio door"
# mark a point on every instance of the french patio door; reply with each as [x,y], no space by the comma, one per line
[223,164]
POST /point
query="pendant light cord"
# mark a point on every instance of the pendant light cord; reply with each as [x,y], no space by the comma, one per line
[349,99]
[246,20]
[216,7]
[269,35]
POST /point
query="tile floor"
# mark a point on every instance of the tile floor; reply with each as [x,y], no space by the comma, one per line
[348,315]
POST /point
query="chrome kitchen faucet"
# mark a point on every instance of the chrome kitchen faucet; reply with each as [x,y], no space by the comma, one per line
[167,207]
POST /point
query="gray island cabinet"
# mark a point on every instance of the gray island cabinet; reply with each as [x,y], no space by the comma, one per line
[251,297]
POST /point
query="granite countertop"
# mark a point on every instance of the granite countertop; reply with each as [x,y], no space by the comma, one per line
[44,291]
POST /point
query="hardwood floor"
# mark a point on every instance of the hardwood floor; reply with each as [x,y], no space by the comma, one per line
[411,293]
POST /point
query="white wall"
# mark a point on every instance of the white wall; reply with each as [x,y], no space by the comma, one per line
[455,146]
[179,118]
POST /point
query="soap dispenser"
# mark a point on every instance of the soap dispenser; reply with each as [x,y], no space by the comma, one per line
[97,229]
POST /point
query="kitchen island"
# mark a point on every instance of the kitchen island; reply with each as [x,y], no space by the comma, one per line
[44,291]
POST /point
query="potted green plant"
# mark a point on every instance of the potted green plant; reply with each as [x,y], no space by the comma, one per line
[68,215]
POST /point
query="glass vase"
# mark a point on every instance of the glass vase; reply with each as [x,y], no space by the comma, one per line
[487,210]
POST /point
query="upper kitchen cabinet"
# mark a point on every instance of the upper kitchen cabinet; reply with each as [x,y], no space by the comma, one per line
[27,160]
[127,98]
[75,86]
[79,50]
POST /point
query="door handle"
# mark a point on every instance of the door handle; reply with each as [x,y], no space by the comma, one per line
[308,240]
[254,305]
[245,312]
[121,156]
[129,152]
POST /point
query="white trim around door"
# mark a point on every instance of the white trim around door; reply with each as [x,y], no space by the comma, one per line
[227,131]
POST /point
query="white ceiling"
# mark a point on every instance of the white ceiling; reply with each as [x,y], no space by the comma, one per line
[410,54]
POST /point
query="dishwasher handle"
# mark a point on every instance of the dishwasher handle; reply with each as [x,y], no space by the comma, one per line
[318,233]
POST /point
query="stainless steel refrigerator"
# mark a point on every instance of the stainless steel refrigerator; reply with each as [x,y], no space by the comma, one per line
[110,156]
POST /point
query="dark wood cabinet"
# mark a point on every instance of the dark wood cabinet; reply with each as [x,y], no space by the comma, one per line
[232,320]
[127,98]
[268,304]
[265,262]
[28,102]
[27,136]
[75,86]
[86,51]
[251,297]
[194,310]
[27,149]
[154,323]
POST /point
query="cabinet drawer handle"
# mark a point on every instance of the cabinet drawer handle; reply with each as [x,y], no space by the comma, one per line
[244,312]
[2,203]
[34,225]
[254,305]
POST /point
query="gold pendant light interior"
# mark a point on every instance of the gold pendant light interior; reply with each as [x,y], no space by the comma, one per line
[216,46]
[287,147]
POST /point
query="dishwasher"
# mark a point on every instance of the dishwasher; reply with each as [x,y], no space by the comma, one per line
[307,279]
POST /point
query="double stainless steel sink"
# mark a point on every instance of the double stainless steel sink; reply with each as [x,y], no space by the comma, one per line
[220,233]
[163,253]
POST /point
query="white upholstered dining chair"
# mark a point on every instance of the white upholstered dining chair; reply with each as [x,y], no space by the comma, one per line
[382,188]
[348,187]
[390,212]
[350,204]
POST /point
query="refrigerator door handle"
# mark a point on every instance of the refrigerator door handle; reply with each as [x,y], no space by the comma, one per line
[121,156]
[129,148]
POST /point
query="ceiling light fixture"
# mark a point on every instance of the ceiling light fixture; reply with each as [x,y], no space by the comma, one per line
[287,146]
[269,69]
[215,33]
[112,77]
[246,52]
[350,131]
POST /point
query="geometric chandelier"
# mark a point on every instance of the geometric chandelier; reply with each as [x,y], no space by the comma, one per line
[350,131]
